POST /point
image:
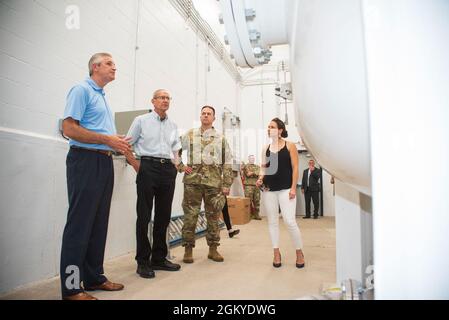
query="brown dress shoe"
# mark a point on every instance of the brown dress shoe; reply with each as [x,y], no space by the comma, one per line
[106,286]
[79,296]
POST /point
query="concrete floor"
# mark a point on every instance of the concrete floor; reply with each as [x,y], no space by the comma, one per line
[246,273]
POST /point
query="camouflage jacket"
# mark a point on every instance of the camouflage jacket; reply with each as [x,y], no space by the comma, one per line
[250,174]
[209,155]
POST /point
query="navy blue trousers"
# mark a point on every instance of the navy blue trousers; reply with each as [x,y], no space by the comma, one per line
[90,181]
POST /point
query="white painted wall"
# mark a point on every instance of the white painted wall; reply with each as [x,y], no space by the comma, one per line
[354,233]
[408,70]
[40,60]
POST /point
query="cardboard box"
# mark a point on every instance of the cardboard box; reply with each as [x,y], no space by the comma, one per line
[239,210]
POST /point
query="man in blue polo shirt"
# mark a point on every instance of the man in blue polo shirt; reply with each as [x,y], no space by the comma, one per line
[89,124]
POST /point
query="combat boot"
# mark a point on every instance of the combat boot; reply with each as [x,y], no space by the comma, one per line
[214,255]
[188,255]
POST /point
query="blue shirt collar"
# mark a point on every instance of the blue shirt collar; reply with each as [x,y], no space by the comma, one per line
[94,85]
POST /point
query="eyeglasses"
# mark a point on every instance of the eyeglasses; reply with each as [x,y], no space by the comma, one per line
[163,98]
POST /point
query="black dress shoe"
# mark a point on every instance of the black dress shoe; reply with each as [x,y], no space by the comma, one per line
[165,265]
[145,271]
[234,233]
[315,217]
[306,217]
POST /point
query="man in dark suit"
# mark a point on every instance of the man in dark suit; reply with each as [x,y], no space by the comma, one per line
[310,188]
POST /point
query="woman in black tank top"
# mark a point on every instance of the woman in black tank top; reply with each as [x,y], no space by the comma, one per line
[279,164]
[279,176]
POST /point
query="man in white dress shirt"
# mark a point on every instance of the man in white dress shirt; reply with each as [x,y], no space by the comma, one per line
[156,142]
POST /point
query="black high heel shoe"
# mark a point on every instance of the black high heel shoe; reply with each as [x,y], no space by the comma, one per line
[277,265]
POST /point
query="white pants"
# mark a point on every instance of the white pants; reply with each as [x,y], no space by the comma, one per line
[272,200]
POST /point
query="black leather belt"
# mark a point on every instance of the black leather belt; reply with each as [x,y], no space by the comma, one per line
[154,159]
[105,152]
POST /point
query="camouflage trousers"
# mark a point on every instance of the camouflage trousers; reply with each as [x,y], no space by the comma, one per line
[214,201]
[253,193]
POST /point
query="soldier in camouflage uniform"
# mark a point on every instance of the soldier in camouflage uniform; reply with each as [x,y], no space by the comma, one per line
[250,173]
[207,176]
